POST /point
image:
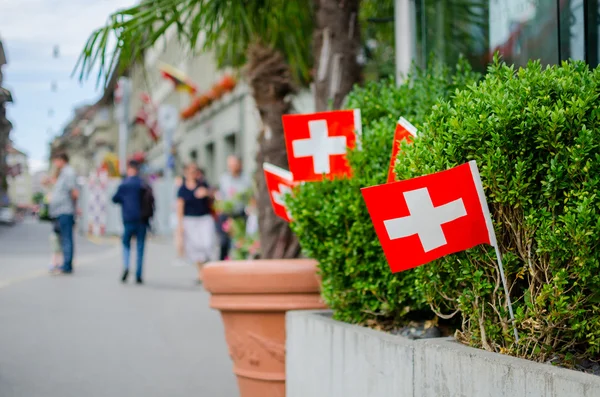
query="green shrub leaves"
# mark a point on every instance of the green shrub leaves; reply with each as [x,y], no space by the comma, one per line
[535,135]
[331,218]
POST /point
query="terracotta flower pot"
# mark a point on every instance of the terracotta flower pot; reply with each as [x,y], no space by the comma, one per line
[253,297]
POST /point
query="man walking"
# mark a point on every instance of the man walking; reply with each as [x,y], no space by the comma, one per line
[62,208]
[231,184]
[137,206]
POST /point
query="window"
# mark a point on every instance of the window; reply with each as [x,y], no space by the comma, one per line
[572,33]
[592,32]
[230,145]
[447,29]
[210,161]
[520,30]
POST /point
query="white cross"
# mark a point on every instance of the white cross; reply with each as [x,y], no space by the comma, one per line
[279,196]
[425,220]
[319,146]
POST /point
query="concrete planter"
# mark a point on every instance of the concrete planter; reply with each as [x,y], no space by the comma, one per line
[329,358]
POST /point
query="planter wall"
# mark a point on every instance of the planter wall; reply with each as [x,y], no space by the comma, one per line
[330,358]
[327,358]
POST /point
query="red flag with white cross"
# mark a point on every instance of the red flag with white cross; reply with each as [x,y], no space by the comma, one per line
[279,184]
[422,219]
[404,131]
[317,143]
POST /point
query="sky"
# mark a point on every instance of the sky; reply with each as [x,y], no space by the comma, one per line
[29,30]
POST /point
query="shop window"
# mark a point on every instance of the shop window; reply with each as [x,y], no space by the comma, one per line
[448,29]
[522,30]
[572,33]
[592,32]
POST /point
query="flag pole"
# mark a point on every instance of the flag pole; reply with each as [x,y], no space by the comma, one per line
[493,239]
[504,283]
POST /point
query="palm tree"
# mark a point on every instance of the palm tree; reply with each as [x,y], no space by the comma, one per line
[273,38]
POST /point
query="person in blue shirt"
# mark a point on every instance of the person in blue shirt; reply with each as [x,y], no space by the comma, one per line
[129,196]
[196,226]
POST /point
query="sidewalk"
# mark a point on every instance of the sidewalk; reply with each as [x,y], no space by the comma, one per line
[109,240]
[89,335]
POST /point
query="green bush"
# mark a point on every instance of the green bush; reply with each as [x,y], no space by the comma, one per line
[535,135]
[331,219]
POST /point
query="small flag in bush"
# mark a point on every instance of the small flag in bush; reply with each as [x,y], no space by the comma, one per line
[317,143]
[404,130]
[279,184]
[422,219]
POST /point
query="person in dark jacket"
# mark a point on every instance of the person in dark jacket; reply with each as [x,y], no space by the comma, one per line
[129,196]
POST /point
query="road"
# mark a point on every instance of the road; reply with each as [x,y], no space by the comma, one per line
[89,335]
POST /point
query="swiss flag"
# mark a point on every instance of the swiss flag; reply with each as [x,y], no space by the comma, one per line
[404,131]
[317,143]
[279,183]
[422,219]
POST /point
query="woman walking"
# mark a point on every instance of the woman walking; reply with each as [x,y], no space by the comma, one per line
[195,224]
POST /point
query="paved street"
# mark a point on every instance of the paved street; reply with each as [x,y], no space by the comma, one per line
[89,335]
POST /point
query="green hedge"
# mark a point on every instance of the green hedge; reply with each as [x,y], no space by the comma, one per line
[535,135]
[331,220]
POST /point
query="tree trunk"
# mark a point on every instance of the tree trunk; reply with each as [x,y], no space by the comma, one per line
[336,46]
[272,86]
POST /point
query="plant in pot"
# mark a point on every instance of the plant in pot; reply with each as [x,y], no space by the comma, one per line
[332,222]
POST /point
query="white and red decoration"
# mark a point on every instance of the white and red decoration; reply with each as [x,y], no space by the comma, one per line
[404,131]
[146,116]
[98,203]
[317,143]
[279,184]
[422,219]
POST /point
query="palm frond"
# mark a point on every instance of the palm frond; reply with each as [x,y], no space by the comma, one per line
[226,26]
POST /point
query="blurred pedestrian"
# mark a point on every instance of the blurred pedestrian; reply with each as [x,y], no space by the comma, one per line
[195,224]
[56,259]
[137,207]
[63,204]
[231,184]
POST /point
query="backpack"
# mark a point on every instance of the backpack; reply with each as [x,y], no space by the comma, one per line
[147,205]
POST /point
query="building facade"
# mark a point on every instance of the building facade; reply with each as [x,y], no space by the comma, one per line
[20,188]
[228,126]
[5,128]
[88,137]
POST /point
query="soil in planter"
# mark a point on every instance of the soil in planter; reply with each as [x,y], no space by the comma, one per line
[415,330]
[418,327]
[587,366]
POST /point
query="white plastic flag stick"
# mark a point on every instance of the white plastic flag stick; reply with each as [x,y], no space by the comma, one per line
[504,283]
[493,240]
